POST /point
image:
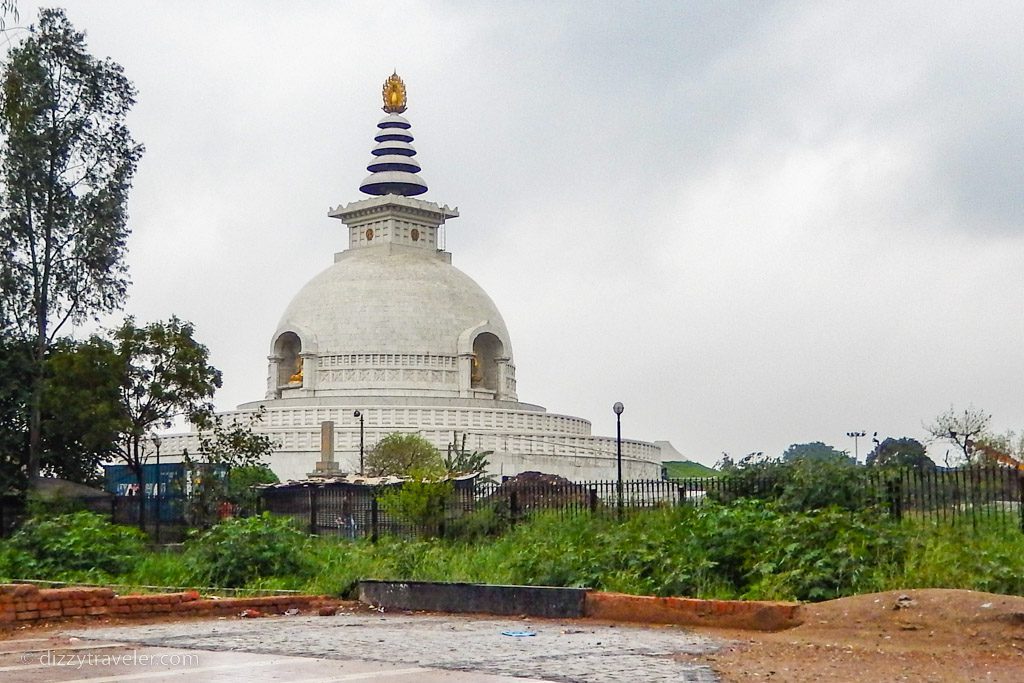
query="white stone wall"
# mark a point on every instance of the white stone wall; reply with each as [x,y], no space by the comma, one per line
[522,440]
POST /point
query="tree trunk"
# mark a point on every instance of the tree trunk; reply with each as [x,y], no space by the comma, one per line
[35,423]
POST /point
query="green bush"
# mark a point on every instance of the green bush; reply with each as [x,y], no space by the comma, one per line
[488,522]
[825,554]
[419,501]
[240,551]
[78,545]
[797,485]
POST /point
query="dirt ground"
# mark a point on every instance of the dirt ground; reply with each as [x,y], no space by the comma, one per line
[915,635]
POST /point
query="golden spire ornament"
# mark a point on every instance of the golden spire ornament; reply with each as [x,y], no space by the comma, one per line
[394,95]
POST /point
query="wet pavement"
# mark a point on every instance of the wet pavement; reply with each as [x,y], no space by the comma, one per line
[356,647]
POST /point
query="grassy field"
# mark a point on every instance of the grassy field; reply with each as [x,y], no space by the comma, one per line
[680,469]
[747,550]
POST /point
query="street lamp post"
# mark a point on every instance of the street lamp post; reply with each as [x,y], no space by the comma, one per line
[855,436]
[618,408]
[156,442]
[359,414]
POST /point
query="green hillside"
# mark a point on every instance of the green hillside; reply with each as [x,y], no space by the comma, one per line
[678,469]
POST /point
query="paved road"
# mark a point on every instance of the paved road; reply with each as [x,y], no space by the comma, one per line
[387,647]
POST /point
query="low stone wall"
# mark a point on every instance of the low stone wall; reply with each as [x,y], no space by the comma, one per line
[433,596]
[26,604]
[740,614]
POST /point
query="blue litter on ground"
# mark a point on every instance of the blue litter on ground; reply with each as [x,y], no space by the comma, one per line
[518,634]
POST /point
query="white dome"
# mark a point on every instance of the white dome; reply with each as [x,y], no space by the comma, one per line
[390,300]
[395,320]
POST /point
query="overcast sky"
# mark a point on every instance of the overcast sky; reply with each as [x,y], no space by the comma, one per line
[754,223]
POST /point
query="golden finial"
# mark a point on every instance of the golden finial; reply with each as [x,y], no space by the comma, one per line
[394,94]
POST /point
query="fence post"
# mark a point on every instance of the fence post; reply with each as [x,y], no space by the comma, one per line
[593,500]
[442,513]
[513,507]
[312,509]
[373,519]
[1020,498]
[894,492]
[682,495]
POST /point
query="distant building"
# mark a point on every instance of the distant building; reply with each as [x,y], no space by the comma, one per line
[392,330]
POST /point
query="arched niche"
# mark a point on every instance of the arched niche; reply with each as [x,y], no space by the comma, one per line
[287,347]
[487,349]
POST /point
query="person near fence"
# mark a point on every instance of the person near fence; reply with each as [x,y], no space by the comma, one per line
[347,519]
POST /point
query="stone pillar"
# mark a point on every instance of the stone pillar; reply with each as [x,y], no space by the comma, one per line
[502,394]
[274,368]
[465,375]
[327,466]
[327,441]
[309,370]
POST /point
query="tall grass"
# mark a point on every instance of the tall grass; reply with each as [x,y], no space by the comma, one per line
[743,550]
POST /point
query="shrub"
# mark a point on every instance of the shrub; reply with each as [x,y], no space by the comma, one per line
[420,501]
[487,522]
[240,551]
[825,554]
[82,543]
[797,485]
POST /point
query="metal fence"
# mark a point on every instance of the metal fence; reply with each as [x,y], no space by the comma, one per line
[965,496]
[119,509]
[973,495]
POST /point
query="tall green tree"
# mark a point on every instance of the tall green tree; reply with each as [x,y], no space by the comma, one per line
[815,451]
[81,415]
[903,452]
[66,167]
[402,454]
[230,453]
[81,412]
[14,397]
[166,374]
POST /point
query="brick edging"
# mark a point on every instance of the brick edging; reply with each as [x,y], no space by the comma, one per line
[741,614]
[27,604]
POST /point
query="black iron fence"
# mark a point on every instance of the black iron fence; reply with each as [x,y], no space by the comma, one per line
[171,509]
[957,496]
[964,496]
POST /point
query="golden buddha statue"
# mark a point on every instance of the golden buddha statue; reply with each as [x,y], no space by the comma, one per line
[477,373]
[297,377]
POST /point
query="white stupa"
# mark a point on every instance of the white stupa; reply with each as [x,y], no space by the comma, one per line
[392,331]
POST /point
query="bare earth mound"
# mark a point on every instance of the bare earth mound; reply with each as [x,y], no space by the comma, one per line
[914,635]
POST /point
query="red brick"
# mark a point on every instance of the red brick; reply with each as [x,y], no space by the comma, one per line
[25,616]
[74,611]
[97,610]
[18,590]
[50,613]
